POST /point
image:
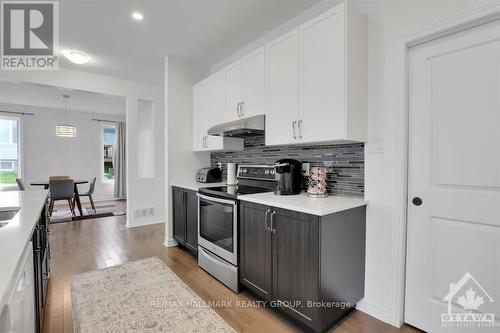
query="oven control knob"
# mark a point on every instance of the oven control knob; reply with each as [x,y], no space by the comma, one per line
[244,170]
[266,171]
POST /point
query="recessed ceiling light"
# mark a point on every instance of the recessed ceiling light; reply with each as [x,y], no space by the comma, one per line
[137,16]
[77,57]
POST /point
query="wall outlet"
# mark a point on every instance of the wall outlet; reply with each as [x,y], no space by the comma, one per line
[306,169]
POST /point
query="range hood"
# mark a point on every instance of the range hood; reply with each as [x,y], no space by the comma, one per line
[240,128]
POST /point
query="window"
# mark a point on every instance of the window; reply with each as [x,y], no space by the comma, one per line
[108,146]
[9,150]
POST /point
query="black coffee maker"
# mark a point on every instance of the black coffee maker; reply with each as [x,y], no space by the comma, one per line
[288,177]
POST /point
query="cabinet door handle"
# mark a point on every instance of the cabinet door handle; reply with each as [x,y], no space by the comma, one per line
[238,110]
[273,230]
[293,128]
[241,109]
[300,128]
[205,142]
[266,219]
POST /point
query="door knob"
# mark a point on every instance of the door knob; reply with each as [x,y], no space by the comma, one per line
[416,201]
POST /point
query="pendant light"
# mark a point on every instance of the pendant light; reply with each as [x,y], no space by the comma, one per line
[65,130]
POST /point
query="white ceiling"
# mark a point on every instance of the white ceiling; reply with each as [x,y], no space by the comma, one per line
[202,31]
[51,97]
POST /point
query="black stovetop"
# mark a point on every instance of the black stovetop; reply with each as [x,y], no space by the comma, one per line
[233,191]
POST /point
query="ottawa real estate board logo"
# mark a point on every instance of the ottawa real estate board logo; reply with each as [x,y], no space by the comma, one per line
[30,35]
[468,294]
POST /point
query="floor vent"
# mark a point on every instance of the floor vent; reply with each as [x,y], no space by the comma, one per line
[144,213]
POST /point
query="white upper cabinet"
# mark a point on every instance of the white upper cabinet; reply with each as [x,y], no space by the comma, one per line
[199,99]
[310,83]
[317,81]
[208,102]
[215,91]
[254,76]
[234,92]
[322,111]
[282,89]
[245,87]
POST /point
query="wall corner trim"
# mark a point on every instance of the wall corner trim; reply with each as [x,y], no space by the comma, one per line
[372,309]
[170,242]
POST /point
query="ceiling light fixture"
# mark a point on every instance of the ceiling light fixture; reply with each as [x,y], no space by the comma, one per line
[137,16]
[77,57]
[65,130]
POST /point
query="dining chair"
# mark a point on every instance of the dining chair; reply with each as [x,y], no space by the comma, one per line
[62,189]
[58,177]
[20,184]
[89,193]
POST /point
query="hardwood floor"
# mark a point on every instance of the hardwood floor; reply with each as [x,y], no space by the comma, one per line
[87,245]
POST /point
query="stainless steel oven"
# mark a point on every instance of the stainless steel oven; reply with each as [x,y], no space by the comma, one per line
[218,226]
[218,222]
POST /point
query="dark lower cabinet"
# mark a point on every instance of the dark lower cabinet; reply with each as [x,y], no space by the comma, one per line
[295,262]
[310,267]
[185,215]
[191,220]
[41,262]
[255,250]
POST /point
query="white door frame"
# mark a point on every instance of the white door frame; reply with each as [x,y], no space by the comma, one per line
[483,14]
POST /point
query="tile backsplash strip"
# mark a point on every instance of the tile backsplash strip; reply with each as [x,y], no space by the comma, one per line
[345,163]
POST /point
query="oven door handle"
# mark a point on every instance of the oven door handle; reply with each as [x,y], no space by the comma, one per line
[229,202]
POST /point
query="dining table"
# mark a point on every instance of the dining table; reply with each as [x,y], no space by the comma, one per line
[46,185]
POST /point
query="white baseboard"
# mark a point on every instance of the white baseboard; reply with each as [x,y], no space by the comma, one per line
[170,242]
[373,310]
[140,223]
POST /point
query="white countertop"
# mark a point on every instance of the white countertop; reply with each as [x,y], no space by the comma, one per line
[304,204]
[17,233]
[194,186]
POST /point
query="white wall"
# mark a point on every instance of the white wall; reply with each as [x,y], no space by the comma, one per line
[181,162]
[389,20]
[44,154]
[141,193]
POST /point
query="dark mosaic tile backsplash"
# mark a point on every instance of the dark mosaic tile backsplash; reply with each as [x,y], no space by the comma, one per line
[345,163]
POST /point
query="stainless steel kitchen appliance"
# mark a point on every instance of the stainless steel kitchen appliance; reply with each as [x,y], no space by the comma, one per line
[218,221]
[209,175]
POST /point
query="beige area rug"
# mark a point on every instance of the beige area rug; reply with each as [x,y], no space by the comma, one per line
[139,296]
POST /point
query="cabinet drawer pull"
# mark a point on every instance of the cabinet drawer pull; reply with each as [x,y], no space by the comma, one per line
[266,220]
[273,230]
[241,109]
[293,129]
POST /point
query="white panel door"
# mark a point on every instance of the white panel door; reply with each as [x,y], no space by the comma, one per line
[322,113]
[453,239]
[282,84]
[233,84]
[254,77]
